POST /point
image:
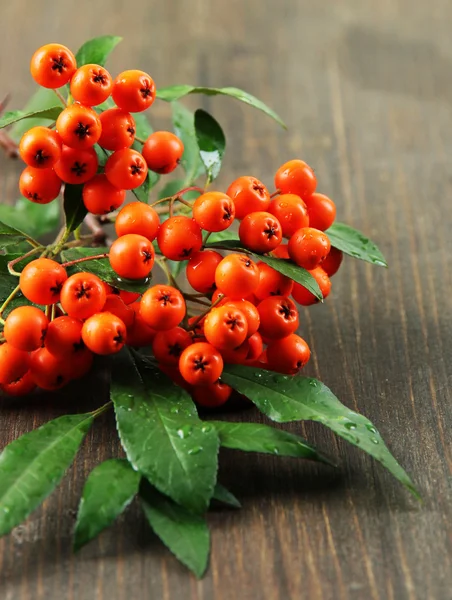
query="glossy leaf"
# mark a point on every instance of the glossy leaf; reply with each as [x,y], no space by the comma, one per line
[184,127]
[286,398]
[97,50]
[109,489]
[143,127]
[101,267]
[10,236]
[221,494]
[286,267]
[211,143]
[175,92]
[353,242]
[8,118]
[161,433]
[257,437]
[8,283]
[42,99]
[33,465]
[36,219]
[186,535]
[142,192]
[74,209]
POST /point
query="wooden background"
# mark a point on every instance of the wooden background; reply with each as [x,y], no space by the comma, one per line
[365,88]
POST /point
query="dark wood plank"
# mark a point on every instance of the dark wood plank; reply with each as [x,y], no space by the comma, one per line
[365,90]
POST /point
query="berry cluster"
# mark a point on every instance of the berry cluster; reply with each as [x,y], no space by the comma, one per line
[249,317]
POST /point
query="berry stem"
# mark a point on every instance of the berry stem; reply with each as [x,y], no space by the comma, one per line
[10,298]
[60,241]
[207,236]
[206,312]
[14,262]
[84,259]
[101,409]
[164,266]
[275,193]
[61,97]
[140,140]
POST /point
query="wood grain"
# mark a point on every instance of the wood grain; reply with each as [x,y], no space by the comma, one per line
[365,89]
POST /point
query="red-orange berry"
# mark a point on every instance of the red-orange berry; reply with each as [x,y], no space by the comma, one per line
[100,197]
[179,238]
[25,328]
[214,211]
[279,317]
[332,262]
[321,211]
[213,395]
[132,256]
[78,126]
[118,129]
[308,247]
[139,218]
[250,312]
[39,185]
[169,345]
[80,363]
[255,346]
[91,85]
[225,327]
[40,147]
[288,355]
[162,307]
[52,65]
[139,334]
[249,195]
[201,364]
[104,333]
[260,232]
[115,305]
[126,169]
[291,212]
[21,387]
[304,297]
[237,276]
[201,271]
[281,251]
[162,151]
[75,165]
[41,281]
[133,91]
[82,295]
[272,283]
[13,363]
[296,177]
[49,372]
[64,336]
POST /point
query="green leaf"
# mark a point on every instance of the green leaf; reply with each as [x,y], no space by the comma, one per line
[14,116]
[42,99]
[142,192]
[9,236]
[353,242]
[8,283]
[286,398]
[286,267]
[97,50]
[143,127]
[184,127]
[33,465]
[221,494]
[101,267]
[186,535]
[109,489]
[161,433]
[177,266]
[175,92]
[211,142]
[37,219]
[74,209]
[257,437]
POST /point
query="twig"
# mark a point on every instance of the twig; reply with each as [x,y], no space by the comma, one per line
[206,312]
[84,259]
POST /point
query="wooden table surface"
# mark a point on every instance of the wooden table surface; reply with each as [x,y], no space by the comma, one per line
[365,88]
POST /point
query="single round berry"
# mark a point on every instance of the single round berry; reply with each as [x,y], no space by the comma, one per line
[80,363]
[104,333]
[163,151]
[169,345]
[308,247]
[321,211]
[201,364]
[39,185]
[250,312]
[237,276]
[52,65]
[139,218]
[133,91]
[260,232]
[75,165]
[291,212]
[304,297]
[214,211]
[21,387]
[179,238]
[82,295]
[213,395]
[49,372]
[139,334]
[40,147]
[288,355]
[64,336]
[255,346]
[132,256]
[332,262]
[118,129]
[25,328]
[162,307]
[296,177]
[13,363]
[100,197]
[91,85]
[225,327]
[201,269]
[78,126]
[272,283]
[126,169]
[41,281]
[249,195]
[115,304]
[279,317]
